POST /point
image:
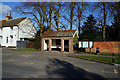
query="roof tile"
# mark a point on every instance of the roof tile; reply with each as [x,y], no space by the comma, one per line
[11,22]
[62,33]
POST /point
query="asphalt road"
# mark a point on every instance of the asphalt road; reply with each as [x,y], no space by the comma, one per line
[36,64]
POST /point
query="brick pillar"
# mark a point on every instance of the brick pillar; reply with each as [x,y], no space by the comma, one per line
[42,44]
[71,45]
[50,44]
[62,45]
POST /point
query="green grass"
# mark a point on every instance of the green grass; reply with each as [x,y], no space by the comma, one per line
[27,49]
[104,54]
[97,58]
[108,54]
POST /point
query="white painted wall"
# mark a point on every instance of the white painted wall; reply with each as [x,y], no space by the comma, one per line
[45,45]
[7,32]
[25,29]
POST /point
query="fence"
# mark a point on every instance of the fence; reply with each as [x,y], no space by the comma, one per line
[21,44]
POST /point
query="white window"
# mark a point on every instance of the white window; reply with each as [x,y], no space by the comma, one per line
[11,38]
[6,39]
[0,39]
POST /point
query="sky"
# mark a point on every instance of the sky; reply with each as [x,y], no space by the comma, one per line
[6,7]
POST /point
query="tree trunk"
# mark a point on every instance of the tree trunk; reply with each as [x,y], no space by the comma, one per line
[103,31]
[72,14]
[58,18]
[41,27]
[50,16]
[118,18]
[79,19]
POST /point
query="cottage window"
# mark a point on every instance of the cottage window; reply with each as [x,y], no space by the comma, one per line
[11,27]
[6,39]
[0,39]
[11,36]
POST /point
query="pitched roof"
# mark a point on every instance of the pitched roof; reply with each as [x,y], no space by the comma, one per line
[11,22]
[2,22]
[63,33]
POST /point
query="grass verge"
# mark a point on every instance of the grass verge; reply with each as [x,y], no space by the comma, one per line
[27,49]
[109,54]
[98,58]
[104,54]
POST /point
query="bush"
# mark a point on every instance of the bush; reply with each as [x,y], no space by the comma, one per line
[37,40]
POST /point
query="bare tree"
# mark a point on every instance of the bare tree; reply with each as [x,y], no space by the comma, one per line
[105,14]
[79,14]
[71,13]
[102,7]
[36,11]
[57,14]
[114,8]
[72,7]
[50,14]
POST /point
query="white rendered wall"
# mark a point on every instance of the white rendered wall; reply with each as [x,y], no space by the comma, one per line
[26,29]
[7,32]
[45,45]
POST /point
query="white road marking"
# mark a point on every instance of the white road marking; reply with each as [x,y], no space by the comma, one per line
[86,69]
[115,71]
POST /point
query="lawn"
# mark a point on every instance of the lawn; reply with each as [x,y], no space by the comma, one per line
[98,58]
[104,54]
[108,54]
[27,49]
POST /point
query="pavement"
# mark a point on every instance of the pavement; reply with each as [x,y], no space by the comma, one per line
[37,64]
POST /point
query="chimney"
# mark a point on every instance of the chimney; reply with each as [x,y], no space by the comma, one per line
[8,17]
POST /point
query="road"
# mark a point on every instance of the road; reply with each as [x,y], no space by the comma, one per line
[36,64]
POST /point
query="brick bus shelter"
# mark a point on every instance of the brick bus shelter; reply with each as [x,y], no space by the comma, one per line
[62,40]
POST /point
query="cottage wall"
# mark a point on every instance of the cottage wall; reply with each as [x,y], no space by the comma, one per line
[12,35]
[26,29]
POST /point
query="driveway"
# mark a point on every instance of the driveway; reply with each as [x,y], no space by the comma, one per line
[36,64]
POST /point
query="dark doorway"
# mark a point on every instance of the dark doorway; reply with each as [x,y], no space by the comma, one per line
[66,45]
[56,45]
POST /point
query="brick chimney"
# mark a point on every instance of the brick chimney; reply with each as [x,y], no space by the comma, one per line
[8,17]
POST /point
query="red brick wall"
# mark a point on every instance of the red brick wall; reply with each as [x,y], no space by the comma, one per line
[106,47]
[30,44]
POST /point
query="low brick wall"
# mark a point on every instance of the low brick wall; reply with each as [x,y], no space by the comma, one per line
[30,44]
[106,47]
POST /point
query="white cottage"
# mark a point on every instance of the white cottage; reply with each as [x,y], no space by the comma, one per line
[13,30]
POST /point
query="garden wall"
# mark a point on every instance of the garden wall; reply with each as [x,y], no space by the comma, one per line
[30,44]
[107,47]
